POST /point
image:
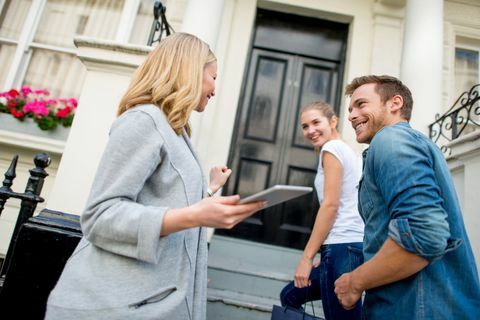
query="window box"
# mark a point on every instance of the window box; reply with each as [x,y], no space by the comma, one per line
[28,126]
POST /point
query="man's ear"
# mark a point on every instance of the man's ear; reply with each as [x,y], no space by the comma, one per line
[396,103]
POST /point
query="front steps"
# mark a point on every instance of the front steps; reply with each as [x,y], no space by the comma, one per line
[245,278]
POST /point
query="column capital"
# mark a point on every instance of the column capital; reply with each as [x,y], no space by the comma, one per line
[105,55]
[395,3]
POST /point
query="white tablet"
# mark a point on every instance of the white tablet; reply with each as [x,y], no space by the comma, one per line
[277,194]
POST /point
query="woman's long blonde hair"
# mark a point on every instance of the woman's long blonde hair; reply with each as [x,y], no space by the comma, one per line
[171,78]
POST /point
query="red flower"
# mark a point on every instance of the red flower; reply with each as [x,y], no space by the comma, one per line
[62,113]
[11,104]
[13,93]
[17,114]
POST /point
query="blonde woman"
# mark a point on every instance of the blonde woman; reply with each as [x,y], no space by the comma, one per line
[338,230]
[144,250]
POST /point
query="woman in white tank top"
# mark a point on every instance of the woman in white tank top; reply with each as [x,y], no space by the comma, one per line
[338,228]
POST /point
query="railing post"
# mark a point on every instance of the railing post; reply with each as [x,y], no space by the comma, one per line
[30,198]
[6,190]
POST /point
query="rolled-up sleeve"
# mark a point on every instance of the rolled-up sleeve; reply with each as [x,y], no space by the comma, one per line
[406,179]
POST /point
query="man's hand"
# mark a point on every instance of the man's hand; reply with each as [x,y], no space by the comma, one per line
[346,293]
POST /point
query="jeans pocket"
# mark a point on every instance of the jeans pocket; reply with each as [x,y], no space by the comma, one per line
[355,257]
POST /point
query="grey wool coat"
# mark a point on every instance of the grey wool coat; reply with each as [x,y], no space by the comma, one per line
[122,268]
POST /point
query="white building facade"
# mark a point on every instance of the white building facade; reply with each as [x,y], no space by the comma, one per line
[432,45]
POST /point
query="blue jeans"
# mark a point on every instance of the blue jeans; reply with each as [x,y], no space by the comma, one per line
[336,259]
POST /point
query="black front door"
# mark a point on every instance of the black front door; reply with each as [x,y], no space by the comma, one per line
[268,147]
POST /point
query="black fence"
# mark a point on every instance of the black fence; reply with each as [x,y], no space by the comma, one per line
[39,247]
[30,198]
[462,118]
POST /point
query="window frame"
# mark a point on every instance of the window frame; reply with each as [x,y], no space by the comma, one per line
[25,44]
[464,43]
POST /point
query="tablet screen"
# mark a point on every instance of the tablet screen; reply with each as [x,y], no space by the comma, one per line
[277,194]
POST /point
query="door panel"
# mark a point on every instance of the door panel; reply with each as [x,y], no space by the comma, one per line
[318,81]
[256,161]
[266,98]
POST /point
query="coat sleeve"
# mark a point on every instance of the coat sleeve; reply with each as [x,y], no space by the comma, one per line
[113,220]
[406,179]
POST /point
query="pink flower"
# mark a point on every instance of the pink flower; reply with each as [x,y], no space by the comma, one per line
[38,108]
[51,102]
[73,102]
[40,91]
[26,91]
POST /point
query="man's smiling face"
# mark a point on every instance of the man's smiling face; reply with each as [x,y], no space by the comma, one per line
[367,113]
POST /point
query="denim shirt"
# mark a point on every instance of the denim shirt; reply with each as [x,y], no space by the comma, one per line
[407,193]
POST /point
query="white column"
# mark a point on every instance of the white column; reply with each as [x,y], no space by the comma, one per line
[422,59]
[387,37]
[202,18]
[109,69]
[127,20]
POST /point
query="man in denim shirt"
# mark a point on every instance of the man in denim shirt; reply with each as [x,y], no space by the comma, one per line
[418,259]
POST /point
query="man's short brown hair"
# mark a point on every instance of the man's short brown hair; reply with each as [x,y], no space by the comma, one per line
[386,87]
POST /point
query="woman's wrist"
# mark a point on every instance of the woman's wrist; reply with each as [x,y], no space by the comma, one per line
[212,189]
[179,219]
[307,258]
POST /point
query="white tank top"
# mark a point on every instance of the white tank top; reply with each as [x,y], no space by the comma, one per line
[348,225]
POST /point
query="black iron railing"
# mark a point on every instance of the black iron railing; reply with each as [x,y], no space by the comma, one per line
[160,24]
[462,118]
[39,248]
[30,198]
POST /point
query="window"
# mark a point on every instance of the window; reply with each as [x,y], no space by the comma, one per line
[12,19]
[36,38]
[46,57]
[467,75]
[144,19]
[143,22]
[467,65]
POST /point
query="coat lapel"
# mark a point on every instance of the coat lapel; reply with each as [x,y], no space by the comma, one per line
[189,144]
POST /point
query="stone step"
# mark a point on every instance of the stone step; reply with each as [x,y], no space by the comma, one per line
[250,267]
[245,278]
[247,254]
[245,282]
[238,264]
[225,304]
